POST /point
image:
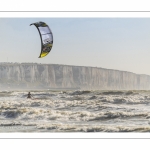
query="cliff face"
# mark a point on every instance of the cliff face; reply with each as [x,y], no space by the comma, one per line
[62,76]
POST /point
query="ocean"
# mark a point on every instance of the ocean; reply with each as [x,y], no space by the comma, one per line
[75,111]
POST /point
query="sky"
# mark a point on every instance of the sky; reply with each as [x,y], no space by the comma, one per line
[112,43]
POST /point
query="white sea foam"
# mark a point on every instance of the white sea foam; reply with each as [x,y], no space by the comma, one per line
[75,111]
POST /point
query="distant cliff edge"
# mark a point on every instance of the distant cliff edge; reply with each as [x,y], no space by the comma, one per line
[51,76]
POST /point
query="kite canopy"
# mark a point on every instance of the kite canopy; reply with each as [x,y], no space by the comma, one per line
[46,37]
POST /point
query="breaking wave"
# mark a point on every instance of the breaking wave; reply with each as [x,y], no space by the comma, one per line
[75,111]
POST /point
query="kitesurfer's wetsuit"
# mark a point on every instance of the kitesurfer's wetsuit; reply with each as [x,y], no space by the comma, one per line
[29,95]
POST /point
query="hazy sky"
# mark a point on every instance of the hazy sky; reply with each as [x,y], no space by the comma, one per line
[113,43]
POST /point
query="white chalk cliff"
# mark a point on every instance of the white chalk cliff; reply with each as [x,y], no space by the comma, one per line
[32,75]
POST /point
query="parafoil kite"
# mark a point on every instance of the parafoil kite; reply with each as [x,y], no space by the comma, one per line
[46,38]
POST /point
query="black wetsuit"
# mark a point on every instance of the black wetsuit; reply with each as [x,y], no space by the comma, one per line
[29,95]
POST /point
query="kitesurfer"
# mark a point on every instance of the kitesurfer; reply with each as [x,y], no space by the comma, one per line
[29,95]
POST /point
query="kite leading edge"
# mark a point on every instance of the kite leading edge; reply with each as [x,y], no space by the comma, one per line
[46,38]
